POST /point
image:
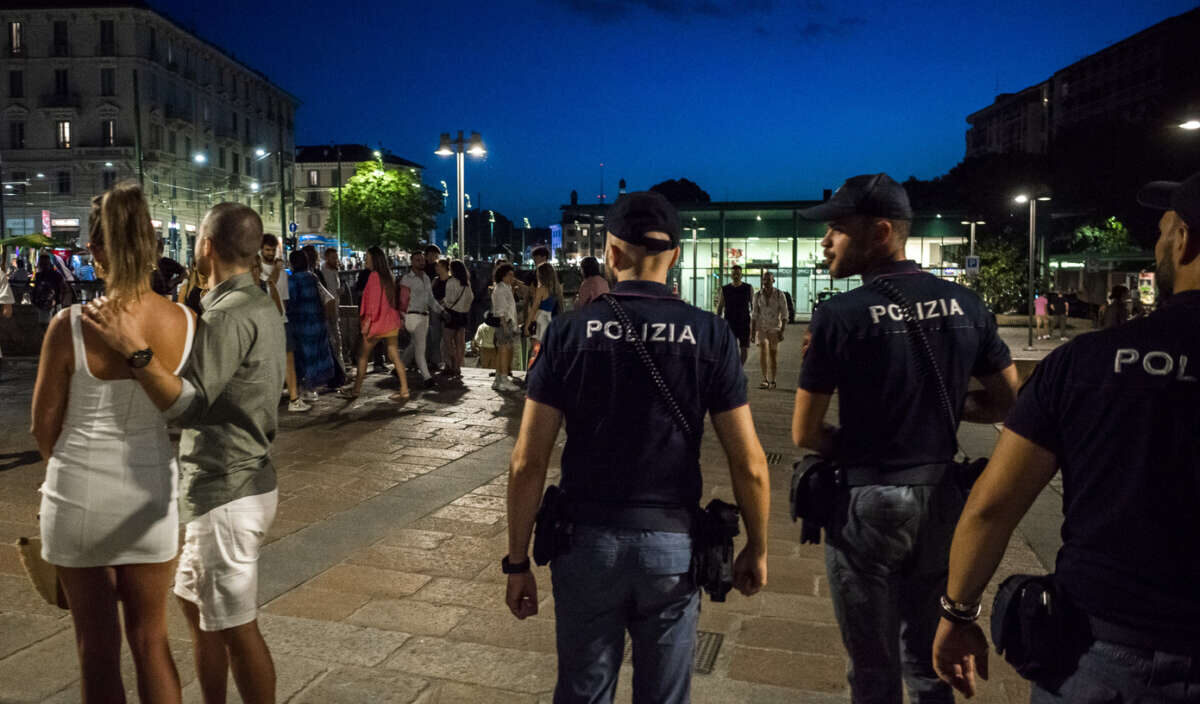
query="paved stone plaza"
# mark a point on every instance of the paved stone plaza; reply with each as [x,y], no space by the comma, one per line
[381,580]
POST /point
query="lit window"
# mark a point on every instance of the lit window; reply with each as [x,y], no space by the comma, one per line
[16,39]
[64,134]
[108,133]
[313,178]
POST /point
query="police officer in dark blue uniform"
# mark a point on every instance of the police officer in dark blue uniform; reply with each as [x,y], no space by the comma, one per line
[630,474]
[888,540]
[1119,412]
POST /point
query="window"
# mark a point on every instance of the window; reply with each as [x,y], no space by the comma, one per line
[314,220]
[173,142]
[64,181]
[314,178]
[170,51]
[108,133]
[108,38]
[234,124]
[153,42]
[237,163]
[60,38]
[221,157]
[156,136]
[63,133]
[110,177]
[108,81]
[248,169]
[61,81]
[246,137]
[187,147]
[16,39]
[335,178]
[18,184]
[16,84]
[16,135]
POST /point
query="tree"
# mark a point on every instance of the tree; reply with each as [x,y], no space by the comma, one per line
[681,191]
[385,208]
[1109,237]
[1003,272]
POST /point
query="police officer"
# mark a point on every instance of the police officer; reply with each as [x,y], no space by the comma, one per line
[888,539]
[630,474]
[1118,411]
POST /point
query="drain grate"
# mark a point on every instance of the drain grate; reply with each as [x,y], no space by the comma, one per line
[708,645]
[774,458]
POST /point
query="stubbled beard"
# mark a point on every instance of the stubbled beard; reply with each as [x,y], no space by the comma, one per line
[1164,278]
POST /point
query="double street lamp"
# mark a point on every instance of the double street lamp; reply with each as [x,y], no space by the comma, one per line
[973,223]
[474,147]
[1032,201]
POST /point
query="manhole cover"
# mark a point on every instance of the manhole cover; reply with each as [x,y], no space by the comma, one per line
[774,458]
[708,645]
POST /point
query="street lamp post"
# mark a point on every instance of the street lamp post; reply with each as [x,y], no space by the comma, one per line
[457,146]
[1032,255]
[973,223]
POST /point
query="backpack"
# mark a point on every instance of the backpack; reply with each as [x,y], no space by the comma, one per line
[45,292]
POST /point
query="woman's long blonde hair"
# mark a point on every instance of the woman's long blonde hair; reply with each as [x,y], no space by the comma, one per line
[120,224]
[548,277]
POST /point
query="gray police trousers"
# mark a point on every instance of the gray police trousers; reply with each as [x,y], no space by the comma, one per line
[886,557]
[1109,673]
[613,580]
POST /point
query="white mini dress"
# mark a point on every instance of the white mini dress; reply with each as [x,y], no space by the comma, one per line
[111,489]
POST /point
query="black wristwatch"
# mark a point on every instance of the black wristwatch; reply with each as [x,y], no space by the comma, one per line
[140,359]
[511,568]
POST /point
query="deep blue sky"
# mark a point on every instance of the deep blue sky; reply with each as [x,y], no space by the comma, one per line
[751,99]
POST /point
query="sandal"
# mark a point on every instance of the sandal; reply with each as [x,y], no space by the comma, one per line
[347,392]
[772,385]
[399,397]
[765,384]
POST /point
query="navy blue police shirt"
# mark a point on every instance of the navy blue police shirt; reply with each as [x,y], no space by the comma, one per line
[1120,409]
[889,412]
[623,444]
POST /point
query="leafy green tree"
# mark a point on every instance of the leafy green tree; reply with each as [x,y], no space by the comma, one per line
[1003,272]
[1109,237]
[386,208]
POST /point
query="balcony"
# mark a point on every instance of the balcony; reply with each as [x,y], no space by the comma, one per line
[108,49]
[17,52]
[61,100]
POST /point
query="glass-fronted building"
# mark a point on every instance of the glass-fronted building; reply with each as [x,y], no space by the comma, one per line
[764,236]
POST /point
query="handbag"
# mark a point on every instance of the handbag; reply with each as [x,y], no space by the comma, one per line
[965,472]
[42,574]
[452,318]
[715,526]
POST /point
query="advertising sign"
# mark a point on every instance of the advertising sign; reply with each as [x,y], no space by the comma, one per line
[1146,289]
[46,229]
[555,240]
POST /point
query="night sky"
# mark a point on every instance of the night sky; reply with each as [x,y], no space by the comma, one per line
[751,99]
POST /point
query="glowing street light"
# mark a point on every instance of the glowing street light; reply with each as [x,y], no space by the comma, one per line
[474,147]
[199,158]
[260,152]
[1191,125]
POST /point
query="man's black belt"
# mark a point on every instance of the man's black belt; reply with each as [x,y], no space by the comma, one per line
[671,519]
[1140,640]
[919,475]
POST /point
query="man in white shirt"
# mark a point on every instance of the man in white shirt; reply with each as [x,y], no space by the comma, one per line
[421,304]
[274,272]
[333,284]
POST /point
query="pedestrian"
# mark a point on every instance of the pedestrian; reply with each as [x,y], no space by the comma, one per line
[1117,311]
[631,476]
[767,323]
[380,317]
[193,290]
[546,303]
[1059,309]
[735,306]
[168,273]
[108,518]
[433,346]
[504,309]
[7,298]
[594,284]
[459,298]
[378,354]
[306,307]
[333,283]
[420,307]
[274,275]
[1043,320]
[49,290]
[899,491]
[1117,412]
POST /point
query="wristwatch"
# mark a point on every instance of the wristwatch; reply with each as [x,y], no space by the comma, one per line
[511,568]
[140,359]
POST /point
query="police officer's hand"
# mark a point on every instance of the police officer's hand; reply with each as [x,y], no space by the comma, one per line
[959,651]
[749,571]
[521,596]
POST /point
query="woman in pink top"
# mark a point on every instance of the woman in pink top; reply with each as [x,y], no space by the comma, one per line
[379,320]
[1043,320]
[594,285]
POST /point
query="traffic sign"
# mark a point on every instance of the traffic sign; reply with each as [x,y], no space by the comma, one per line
[292,228]
[972,265]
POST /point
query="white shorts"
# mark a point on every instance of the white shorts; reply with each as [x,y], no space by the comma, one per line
[218,567]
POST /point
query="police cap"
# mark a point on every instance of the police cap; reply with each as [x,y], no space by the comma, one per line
[635,214]
[1183,198]
[873,195]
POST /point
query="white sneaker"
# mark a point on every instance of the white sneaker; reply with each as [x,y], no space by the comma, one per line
[298,406]
[504,384]
[309,396]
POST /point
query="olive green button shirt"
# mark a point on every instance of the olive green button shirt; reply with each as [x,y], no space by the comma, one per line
[229,404]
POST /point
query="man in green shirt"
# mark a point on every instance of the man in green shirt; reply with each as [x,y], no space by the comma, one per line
[227,400]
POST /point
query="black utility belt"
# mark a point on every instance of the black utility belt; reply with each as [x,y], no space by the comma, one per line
[918,475]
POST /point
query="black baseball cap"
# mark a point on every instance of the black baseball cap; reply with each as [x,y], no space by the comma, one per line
[1182,197]
[874,195]
[635,214]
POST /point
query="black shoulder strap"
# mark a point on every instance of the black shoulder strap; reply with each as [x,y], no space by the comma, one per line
[926,362]
[630,335]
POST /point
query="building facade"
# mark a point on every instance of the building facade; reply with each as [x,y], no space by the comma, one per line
[1147,79]
[764,236]
[87,88]
[319,170]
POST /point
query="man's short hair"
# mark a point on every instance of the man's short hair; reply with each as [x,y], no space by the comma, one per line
[235,231]
[736,267]
[901,229]
[540,252]
[330,250]
[267,240]
[433,249]
[501,272]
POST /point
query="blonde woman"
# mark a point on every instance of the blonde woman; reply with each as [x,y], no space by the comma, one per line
[108,514]
[547,302]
